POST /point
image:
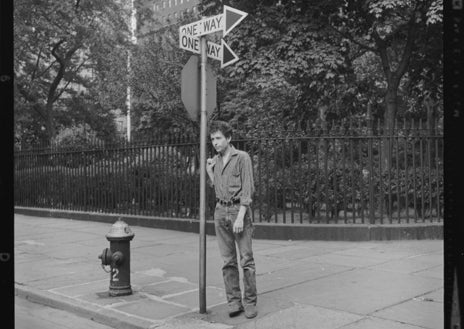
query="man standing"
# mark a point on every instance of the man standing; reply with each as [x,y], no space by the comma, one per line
[231,173]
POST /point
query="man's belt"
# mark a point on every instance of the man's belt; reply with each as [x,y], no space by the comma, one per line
[227,203]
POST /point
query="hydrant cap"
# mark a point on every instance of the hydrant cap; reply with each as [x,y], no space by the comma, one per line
[120,230]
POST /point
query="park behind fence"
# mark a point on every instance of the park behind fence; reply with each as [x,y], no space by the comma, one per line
[335,176]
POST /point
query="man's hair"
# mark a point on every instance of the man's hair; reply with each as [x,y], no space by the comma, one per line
[221,126]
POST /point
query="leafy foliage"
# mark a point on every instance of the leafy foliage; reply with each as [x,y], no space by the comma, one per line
[61,49]
[302,61]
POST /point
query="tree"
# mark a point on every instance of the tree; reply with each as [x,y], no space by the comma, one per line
[291,62]
[58,46]
[322,48]
[398,32]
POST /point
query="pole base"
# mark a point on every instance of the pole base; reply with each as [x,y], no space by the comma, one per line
[120,291]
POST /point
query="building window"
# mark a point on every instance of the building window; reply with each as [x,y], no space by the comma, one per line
[175,15]
[175,2]
[169,3]
[194,9]
[164,4]
[181,1]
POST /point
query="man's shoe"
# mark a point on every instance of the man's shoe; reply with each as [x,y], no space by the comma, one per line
[250,311]
[235,310]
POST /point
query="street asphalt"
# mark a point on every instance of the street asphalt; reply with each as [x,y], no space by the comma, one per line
[301,284]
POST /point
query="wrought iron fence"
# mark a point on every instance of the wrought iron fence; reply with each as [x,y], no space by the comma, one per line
[327,176]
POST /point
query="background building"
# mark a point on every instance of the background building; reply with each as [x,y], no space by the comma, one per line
[169,11]
[164,13]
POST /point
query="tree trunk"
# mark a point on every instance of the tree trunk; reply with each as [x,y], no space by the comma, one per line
[53,96]
[50,126]
[391,104]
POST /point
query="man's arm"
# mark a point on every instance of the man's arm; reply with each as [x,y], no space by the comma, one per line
[246,175]
[209,169]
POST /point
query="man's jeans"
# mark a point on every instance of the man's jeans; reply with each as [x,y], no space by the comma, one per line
[224,218]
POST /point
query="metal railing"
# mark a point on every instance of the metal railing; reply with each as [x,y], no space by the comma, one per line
[354,176]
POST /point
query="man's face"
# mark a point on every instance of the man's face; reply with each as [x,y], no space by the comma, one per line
[220,142]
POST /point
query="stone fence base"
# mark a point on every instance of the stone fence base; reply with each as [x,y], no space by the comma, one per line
[327,232]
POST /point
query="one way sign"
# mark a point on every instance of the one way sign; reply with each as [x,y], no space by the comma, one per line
[189,35]
[220,52]
[224,22]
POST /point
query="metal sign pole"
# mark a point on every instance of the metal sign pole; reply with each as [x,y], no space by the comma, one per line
[203,175]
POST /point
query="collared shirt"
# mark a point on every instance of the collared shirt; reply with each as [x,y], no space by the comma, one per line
[234,180]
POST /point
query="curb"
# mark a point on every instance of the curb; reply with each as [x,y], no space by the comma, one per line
[96,313]
[277,231]
[107,316]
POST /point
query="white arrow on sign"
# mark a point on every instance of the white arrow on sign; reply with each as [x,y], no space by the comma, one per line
[224,22]
[220,52]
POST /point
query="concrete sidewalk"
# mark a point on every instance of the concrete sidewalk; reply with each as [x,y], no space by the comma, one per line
[301,284]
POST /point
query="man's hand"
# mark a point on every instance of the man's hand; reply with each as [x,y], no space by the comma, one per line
[238,225]
[209,165]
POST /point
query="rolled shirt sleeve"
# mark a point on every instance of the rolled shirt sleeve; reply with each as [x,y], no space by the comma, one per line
[246,175]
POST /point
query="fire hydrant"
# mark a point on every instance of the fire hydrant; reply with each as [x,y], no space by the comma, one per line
[118,258]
